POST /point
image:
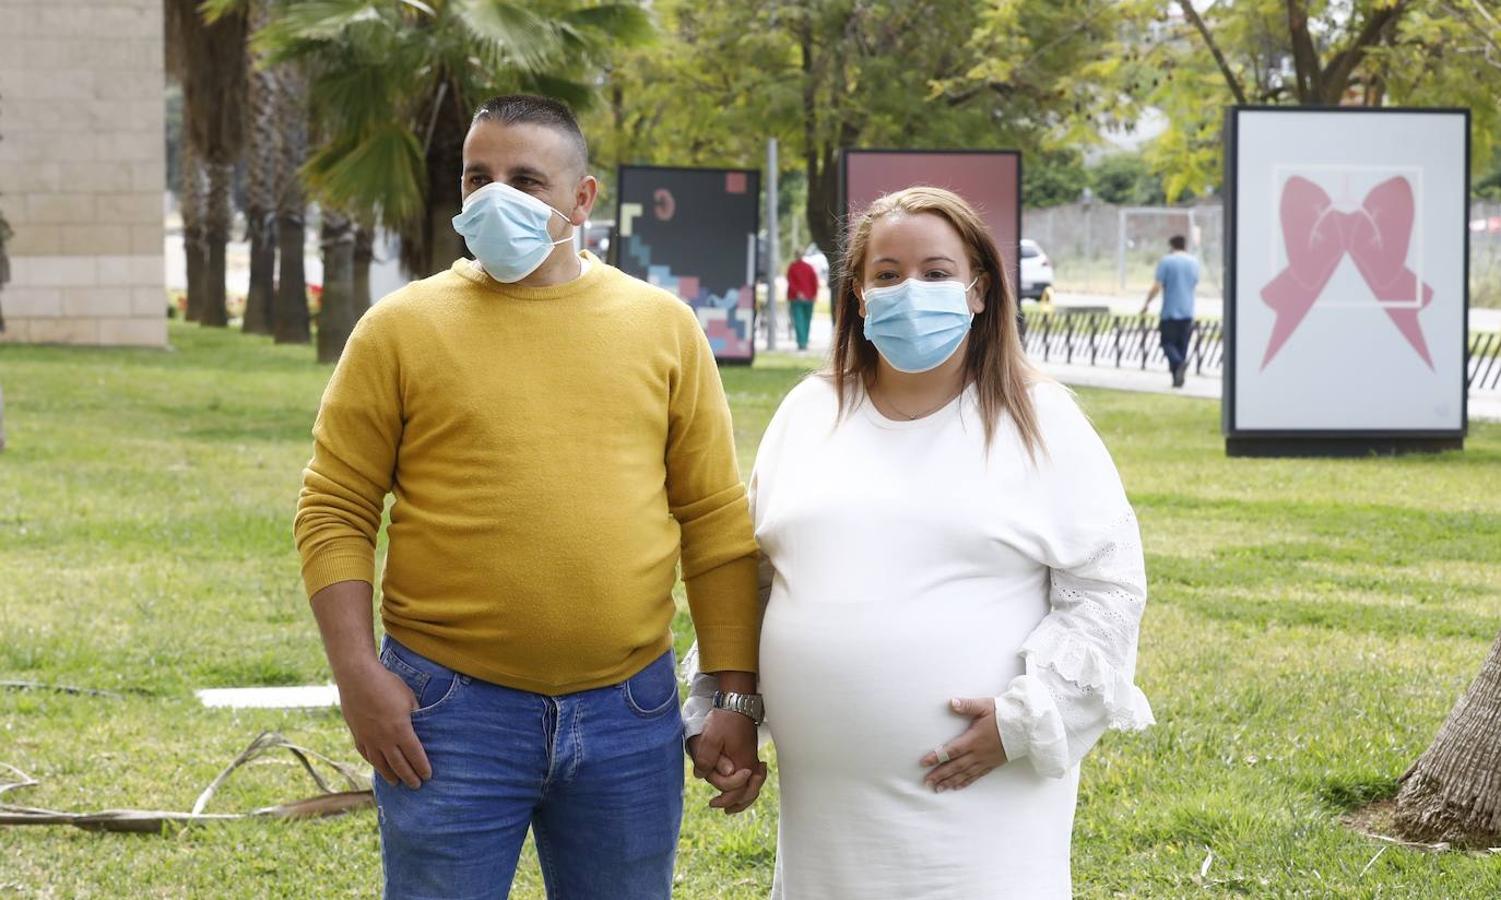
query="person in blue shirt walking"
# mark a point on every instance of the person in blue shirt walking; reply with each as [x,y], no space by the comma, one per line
[1177,275]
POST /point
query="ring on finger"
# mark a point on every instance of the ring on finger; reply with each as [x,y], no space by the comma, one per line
[942,753]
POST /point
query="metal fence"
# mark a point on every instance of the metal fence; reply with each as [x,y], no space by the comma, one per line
[1485,255]
[1131,342]
[1098,248]
[1107,249]
[1483,368]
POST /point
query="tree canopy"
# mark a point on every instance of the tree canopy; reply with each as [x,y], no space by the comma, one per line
[392,86]
[1044,76]
[1315,53]
[706,82]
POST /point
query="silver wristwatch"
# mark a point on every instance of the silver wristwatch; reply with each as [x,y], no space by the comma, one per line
[748,705]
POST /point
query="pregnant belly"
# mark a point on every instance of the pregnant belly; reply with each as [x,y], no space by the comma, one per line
[860,691]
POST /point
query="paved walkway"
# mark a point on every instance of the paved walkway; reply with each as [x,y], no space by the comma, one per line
[1484,406]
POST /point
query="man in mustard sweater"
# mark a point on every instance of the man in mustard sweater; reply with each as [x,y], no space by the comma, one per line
[557,441]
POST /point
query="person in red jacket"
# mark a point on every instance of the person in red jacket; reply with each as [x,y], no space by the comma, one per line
[802,290]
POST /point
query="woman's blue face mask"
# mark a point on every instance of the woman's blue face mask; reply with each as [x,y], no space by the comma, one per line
[917,325]
[506,230]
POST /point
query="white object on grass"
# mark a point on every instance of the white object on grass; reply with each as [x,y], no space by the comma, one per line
[304,696]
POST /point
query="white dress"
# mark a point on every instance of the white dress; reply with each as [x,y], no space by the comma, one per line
[904,566]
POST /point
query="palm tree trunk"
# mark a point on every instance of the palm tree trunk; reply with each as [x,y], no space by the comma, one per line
[216,221]
[210,59]
[258,300]
[290,315]
[432,245]
[446,244]
[337,316]
[5,234]
[364,256]
[289,319]
[1453,792]
[190,200]
[260,189]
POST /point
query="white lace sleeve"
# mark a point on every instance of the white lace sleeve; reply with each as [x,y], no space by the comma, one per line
[701,688]
[1081,659]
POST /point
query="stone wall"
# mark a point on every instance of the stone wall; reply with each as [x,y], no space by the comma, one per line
[83,170]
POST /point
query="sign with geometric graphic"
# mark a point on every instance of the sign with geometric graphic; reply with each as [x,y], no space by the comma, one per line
[989,180]
[693,232]
[1346,279]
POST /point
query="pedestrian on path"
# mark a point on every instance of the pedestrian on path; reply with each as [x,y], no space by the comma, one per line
[802,290]
[1177,275]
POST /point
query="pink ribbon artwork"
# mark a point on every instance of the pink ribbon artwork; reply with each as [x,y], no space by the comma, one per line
[1376,236]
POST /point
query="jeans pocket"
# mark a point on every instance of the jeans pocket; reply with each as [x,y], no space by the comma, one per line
[432,684]
[653,691]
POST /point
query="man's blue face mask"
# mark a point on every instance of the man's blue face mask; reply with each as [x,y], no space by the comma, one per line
[506,230]
[917,325]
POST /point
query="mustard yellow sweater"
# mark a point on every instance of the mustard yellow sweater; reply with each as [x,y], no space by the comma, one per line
[553,453]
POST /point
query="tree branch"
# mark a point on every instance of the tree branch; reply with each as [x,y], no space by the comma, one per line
[1004,87]
[1336,76]
[1483,14]
[1305,56]
[1478,29]
[953,99]
[1214,50]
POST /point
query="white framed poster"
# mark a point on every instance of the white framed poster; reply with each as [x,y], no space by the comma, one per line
[1346,289]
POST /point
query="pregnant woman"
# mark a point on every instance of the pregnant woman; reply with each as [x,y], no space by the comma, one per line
[953,579]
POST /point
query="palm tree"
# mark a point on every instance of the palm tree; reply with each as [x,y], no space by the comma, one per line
[393,86]
[191,193]
[337,316]
[261,161]
[218,215]
[364,255]
[1452,793]
[211,62]
[5,234]
[290,314]
[336,241]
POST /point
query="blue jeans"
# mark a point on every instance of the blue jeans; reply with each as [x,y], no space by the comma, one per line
[597,776]
[1176,334]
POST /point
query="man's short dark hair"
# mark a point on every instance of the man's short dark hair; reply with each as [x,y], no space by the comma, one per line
[510,109]
[1178,242]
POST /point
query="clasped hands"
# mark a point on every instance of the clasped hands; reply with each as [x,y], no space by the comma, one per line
[724,755]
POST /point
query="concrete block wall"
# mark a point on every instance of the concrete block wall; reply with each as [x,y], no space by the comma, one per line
[83,170]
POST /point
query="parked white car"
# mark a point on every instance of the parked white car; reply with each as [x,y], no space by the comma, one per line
[1037,273]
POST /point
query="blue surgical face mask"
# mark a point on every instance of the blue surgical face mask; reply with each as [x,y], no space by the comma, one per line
[506,230]
[917,325]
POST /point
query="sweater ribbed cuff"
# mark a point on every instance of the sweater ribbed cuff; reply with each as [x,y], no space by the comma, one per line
[334,566]
[727,617]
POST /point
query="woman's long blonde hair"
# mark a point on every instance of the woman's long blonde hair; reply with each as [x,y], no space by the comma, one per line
[994,361]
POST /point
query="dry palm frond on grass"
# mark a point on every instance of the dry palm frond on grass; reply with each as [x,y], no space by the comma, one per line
[330,802]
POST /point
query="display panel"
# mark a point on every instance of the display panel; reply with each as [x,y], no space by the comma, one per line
[989,180]
[1347,291]
[693,232]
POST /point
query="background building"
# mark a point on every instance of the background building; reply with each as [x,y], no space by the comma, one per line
[82,171]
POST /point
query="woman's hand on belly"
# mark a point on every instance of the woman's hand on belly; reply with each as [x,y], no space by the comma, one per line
[973,754]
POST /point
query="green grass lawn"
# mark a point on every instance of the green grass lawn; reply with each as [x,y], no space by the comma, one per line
[1311,624]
